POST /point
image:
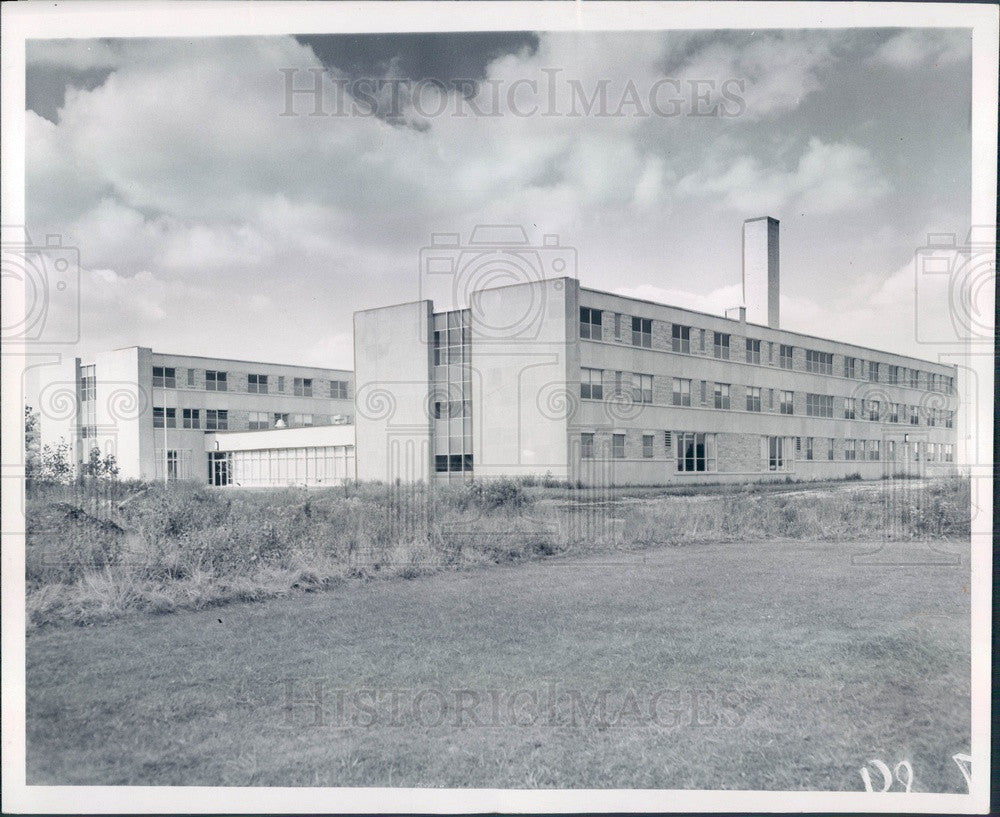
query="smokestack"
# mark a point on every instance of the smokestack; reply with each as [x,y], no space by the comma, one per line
[760,270]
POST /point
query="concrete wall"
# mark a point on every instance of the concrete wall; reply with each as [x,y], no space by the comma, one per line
[760,270]
[521,397]
[393,350]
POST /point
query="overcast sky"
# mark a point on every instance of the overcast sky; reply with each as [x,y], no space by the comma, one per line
[208,223]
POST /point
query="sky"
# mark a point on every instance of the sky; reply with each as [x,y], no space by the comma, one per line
[214,215]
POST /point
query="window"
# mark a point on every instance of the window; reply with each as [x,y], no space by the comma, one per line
[191,418]
[914,379]
[753,351]
[215,381]
[618,446]
[681,392]
[258,420]
[338,389]
[931,417]
[949,384]
[787,404]
[257,383]
[647,446]
[164,378]
[302,387]
[949,419]
[642,332]
[301,420]
[819,405]
[642,388]
[280,419]
[894,412]
[893,374]
[590,323]
[591,384]
[829,448]
[850,405]
[849,450]
[850,367]
[819,362]
[753,398]
[809,448]
[722,396]
[695,452]
[88,384]
[785,356]
[777,455]
[158,417]
[216,419]
[587,446]
[720,345]
[667,440]
[443,463]
[949,452]
[873,369]
[680,338]
[171,465]
[914,415]
[770,399]
[874,452]
[873,410]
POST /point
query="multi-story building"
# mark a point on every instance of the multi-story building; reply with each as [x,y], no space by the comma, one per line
[153,411]
[548,377]
[543,377]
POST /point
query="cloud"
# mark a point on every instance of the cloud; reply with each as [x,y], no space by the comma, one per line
[828,178]
[923,47]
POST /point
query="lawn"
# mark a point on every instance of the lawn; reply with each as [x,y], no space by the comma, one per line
[735,665]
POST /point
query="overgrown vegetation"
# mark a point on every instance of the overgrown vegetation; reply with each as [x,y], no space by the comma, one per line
[98,548]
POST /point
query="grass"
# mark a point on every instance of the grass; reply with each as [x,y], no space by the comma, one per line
[100,551]
[776,664]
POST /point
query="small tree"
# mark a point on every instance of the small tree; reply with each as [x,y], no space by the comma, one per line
[55,465]
[105,467]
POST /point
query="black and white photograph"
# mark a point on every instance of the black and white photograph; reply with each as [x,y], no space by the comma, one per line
[498,407]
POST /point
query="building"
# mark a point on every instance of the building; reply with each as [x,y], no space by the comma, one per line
[547,377]
[542,377]
[157,412]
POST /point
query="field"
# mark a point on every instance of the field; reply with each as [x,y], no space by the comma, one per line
[744,662]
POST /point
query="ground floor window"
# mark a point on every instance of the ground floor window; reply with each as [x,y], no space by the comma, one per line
[778,453]
[219,468]
[443,463]
[695,451]
[320,465]
[587,446]
[647,446]
[618,446]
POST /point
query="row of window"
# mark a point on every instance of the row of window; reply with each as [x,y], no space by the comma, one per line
[218,419]
[166,377]
[696,451]
[591,328]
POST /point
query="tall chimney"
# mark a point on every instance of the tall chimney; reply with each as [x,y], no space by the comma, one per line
[760,270]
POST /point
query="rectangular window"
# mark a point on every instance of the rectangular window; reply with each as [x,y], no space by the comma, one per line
[819,362]
[587,446]
[590,323]
[850,367]
[873,410]
[642,388]
[720,345]
[257,383]
[618,446]
[642,332]
[893,374]
[681,392]
[809,448]
[914,379]
[158,417]
[279,419]
[931,417]
[88,384]
[258,420]
[819,405]
[722,396]
[777,456]
[829,448]
[216,381]
[592,384]
[874,452]
[894,412]
[172,462]
[849,449]
[680,338]
[787,404]
[216,419]
[302,420]
[302,387]
[753,398]
[949,452]
[191,418]
[850,409]
[873,370]
[753,350]
[338,389]
[164,377]
[695,452]
[647,446]
[785,356]
[949,419]
[914,415]
[949,384]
